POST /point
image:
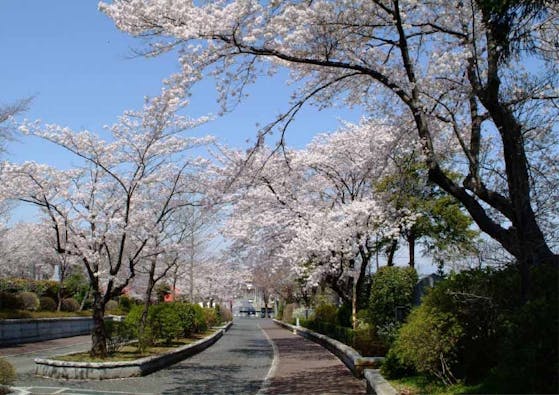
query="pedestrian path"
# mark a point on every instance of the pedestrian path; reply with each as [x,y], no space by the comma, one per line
[303,367]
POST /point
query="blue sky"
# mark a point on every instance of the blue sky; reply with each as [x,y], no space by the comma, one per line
[82,73]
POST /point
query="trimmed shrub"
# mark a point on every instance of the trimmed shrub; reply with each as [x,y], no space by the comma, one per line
[70,304]
[391,293]
[10,301]
[7,373]
[47,304]
[211,318]
[15,285]
[200,324]
[165,322]
[186,314]
[29,300]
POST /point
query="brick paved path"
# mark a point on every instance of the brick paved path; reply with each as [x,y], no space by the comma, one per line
[304,367]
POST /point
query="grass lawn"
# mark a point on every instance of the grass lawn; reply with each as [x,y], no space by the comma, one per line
[416,385]
[19,314]
[130,352]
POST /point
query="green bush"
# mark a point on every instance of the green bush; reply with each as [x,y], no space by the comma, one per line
[165,322]
[47,304]
[7,373]
[186,314]
[326,313]
[364,341]
[477,320]
[119,333]
[10,301]
[132,320]
[70,304]
[528,360]
[368,344]
[429,343]
[76,286]
[200,324]
[392,287]
[29,300]
[344,315]
[125,303]
[40,287]
[211,317]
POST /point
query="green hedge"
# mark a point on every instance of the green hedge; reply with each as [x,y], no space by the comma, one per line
[40,287]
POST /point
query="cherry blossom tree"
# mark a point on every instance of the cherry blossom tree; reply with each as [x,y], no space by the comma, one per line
[108,211]
[26,252]
[316,210]
[477,76]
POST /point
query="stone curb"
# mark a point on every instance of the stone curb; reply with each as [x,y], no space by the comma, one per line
[111,370]
[361,367]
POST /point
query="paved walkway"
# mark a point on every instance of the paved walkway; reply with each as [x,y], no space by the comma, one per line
[254,356]
[304,367]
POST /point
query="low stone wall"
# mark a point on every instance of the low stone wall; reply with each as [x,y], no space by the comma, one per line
[33,330]
[361,367]
[111,370]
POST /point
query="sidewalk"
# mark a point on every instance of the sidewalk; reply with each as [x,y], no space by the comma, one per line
[304,367]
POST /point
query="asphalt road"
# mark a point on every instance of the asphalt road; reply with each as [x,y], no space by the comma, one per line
[236,364]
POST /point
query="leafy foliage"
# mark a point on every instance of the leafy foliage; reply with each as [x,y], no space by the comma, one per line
[7,373]
[10,301]
[429,342]
[40,287]
[29,300]
[70,304]
[326,313]
[392,288]
[470,327]
[47,303]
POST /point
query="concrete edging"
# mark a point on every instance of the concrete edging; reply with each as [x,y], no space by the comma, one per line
[361,367]
[112,370]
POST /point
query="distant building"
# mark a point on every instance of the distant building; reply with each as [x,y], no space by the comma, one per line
[423,285]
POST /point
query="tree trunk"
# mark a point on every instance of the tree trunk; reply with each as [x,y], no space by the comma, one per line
[411,248]
[391,251]
[266,298]
[147,302]
[98,334]
[354,304]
